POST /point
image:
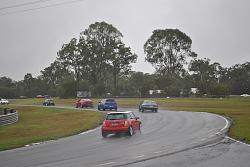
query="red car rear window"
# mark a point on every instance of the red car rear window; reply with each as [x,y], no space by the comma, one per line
[118,116]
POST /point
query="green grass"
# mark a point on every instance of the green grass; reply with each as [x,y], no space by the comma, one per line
[38,124]
[237,108]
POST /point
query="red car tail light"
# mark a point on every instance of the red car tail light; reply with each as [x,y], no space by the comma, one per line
[126,123]
[104,123]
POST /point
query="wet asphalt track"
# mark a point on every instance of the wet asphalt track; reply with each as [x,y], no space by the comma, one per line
[167,138]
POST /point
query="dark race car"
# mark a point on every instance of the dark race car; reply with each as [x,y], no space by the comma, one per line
[148,105]
[49,102]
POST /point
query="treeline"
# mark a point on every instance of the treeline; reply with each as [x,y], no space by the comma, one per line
[100,63]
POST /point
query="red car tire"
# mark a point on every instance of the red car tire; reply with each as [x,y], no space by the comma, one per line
[130,131]
[104,135]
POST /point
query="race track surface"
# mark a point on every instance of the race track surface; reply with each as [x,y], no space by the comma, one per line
[167,138]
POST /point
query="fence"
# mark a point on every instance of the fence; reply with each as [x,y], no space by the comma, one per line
[8,116]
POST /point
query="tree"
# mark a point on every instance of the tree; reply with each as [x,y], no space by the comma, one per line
[239,78]
[101,39]
[141,83]
[55,74]
[220,90]
[120,62]
[70,57]
[106,54]
[171,84]
[28,84]
[7,88]
[205,75]
[167,50]
[31,86]
[67,89]
[6,82]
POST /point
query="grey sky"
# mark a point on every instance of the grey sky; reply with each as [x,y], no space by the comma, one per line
[30,40]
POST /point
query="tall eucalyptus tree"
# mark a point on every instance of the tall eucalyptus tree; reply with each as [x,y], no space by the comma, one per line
[106,54]
[167,50]
[69,56]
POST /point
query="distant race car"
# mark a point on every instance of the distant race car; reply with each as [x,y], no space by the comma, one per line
[120,122]
[48,102]
[39,96]
[107,104]
[4,101]
[84,103]
[148,105]
[245,95]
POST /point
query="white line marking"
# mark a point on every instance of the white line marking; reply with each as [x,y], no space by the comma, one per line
[237,141]
[108,163]
[34,144]
[140,156]
[226,126]
[203,139]
[227,123]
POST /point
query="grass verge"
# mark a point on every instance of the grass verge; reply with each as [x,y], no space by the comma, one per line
[38,124]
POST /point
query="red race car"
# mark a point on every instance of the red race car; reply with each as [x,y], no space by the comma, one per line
[84,103]
[120,122]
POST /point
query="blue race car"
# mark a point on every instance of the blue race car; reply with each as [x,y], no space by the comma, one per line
[107,104]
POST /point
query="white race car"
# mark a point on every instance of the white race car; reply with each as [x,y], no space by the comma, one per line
[4,101]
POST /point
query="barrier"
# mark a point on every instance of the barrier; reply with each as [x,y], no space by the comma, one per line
[8,116]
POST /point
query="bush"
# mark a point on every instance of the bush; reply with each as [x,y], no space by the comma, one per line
[220,90]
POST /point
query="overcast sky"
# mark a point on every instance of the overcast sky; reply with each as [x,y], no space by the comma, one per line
[29,41]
